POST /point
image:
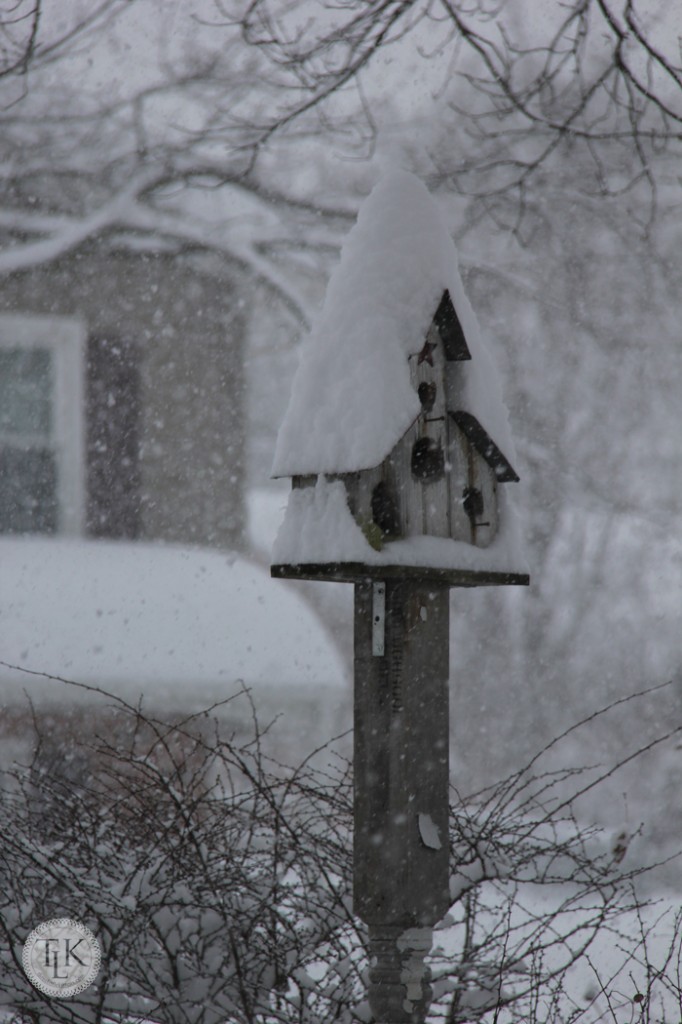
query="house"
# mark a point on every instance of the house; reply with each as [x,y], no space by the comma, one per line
[396,437]
[121,394]
[122,423]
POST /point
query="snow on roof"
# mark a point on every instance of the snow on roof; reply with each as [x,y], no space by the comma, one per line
[183,626]
[352,400]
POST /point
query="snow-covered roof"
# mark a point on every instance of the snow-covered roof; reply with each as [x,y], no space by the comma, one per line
[352,400]
[181,626]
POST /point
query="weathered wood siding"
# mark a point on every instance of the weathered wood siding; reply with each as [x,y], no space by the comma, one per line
[429,496]
[440,484]
[459,454]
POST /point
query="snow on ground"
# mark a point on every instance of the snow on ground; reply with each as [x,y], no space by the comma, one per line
[352,399]
[623,965]
[183,626]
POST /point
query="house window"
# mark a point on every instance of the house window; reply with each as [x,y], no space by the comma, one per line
[112,437]
[41,424]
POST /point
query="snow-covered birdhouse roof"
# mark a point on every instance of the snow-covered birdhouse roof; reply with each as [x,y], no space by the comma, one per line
[352,399]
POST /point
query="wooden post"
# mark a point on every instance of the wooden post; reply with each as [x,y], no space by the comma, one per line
[401,868]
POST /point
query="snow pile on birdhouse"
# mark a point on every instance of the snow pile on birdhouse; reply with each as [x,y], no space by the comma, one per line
[396,434]
[352,399]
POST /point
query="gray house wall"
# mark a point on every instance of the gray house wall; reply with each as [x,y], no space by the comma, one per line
[164,386]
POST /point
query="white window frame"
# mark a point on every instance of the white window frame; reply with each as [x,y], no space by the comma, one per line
[64,337]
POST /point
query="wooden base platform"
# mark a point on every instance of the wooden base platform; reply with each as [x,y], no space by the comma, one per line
[357,572]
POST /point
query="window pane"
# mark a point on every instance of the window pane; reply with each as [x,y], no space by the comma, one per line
[113,414]
[28,491]
[26,391]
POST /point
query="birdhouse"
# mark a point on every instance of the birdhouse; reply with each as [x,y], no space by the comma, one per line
[396,436]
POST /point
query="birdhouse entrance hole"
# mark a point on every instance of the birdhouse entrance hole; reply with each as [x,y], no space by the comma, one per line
[474,505]
[427,395]
[384,511]
[428,460]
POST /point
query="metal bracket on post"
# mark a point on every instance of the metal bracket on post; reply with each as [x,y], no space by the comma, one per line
[378,619]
